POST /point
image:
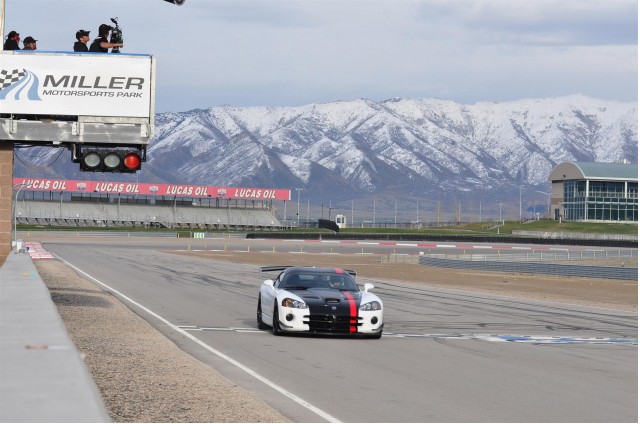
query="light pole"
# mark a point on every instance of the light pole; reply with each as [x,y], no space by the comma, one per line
[395,215]
[175,199]
[374,212]
[298,214]
[520,203]
[15,210]
[352,214]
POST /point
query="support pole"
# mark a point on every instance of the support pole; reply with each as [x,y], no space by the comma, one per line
[6,196]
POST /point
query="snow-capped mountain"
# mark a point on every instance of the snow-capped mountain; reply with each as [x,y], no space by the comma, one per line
[408,147]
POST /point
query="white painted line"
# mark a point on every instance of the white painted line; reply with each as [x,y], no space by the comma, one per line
[482,247]
[227,358]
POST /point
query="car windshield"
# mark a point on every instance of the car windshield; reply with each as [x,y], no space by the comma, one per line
[303,280]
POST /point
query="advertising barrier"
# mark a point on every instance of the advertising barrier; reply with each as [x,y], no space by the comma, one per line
[177,190]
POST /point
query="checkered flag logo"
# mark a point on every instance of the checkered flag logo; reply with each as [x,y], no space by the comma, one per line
[19,85]
[7,78]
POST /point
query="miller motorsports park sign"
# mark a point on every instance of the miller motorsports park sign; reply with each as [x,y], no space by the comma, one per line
[79,84]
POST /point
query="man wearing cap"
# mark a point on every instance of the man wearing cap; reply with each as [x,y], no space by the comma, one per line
[102,44]
[12,41]
[83,38]
[29,43]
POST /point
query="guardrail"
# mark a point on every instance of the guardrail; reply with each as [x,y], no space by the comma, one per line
[606,272]
[561,235]
[165,234]
[551,255]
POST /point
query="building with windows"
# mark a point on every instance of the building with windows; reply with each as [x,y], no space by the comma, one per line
[595,191]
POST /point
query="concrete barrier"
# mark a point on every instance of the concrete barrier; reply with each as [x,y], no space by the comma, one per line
[42,376]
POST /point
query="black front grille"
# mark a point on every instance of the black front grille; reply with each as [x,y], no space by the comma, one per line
[331,323]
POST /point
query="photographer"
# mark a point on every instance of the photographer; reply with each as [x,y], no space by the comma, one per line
[102,44]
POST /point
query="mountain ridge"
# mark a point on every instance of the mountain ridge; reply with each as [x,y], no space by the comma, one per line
[415,148]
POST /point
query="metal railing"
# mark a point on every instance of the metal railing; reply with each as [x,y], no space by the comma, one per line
[604,272]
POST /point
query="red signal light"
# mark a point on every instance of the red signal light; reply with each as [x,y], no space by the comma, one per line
[132,161]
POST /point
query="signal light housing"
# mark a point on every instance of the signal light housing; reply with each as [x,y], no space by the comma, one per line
[95,159]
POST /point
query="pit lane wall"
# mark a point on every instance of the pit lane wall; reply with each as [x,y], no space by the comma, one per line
[42,376]
[507,239]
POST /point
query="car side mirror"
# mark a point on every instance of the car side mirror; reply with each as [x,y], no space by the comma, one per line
[368,286]
[268,283]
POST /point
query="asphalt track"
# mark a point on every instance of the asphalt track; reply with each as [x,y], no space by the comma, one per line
[446,356]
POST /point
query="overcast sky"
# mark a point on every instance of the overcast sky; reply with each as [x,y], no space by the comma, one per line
[289,53]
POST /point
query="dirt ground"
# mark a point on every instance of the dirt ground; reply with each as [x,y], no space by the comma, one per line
[144,377]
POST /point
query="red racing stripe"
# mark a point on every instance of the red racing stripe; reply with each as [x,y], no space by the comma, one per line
[353,312]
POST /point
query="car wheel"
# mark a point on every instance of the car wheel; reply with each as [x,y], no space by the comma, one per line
[276,321]
[261,324]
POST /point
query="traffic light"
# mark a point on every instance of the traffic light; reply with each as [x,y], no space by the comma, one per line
[95,159]
[177,2]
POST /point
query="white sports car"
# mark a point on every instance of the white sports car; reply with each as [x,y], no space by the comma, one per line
[320,301]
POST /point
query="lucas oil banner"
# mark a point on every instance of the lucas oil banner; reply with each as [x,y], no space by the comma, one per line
[78,84]
[172,190]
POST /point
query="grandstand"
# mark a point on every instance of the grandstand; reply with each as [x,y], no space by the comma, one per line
[74,203]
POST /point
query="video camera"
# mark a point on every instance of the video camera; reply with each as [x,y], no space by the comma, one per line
[116,35]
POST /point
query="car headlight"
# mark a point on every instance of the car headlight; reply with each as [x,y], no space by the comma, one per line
[292,303]
[371,306]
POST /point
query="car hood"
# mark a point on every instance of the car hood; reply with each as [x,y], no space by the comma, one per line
[322,296]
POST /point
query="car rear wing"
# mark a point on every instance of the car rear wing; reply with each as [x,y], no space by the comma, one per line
[283,267]
[274,268]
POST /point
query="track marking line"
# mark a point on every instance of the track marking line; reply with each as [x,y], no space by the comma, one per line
[227,358]
[532,339]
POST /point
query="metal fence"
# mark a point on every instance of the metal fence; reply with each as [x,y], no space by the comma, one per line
[560,235]
[548,255]
[605,272]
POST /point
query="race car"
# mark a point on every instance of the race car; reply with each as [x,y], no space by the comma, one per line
[319,301]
